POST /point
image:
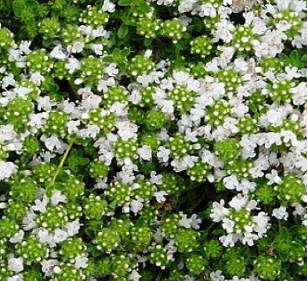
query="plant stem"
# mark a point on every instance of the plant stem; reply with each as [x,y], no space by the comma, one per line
[209,228]
[71,142]
[198,203]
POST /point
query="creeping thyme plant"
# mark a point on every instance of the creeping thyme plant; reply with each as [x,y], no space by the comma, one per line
[149,140]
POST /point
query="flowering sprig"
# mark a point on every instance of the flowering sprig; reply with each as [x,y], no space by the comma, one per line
[153,139]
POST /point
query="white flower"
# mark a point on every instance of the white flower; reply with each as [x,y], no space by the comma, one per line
[97,48]
[163,154]
[219,212]
[40,205]
[59,52]
[45,237]
[273,177]
[47,156]
[90,132]
[160,196]
[60,235]
[37,78]
[81,262]
[53,142]
[126,129]
[155,179]
[136,205]
[77,47]
[15,264]
[48,266]
[44,103]
[228,225]
[207,10]
[7,133]
[57,197]
[119,109]
[8,81]
[217,276]
[195,221]
[108,6]
[223,31]
[111,70]
[280,213]
[17,277]
[72,65]
[231,182]
[29,220]
[17,238]
[185,221]
[72,227]
[274,117]
[134,276]
[103,84]
[72,126]
[25,46]
[7,169]
[261,223]
[249,238]
[188,278]
[229,240]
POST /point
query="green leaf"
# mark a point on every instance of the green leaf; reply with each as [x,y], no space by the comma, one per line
[284,257]
[31,26]
[19,6]
[304,59]
[75,160]
[283,235]
[295,246]
[144,7]
[116,53]
[122,31]
[295,56]
[59,186]
[125,52]
[283,57]
[92,249]
[140,222]
[62,176]
[83,161]
[47,42]
[147,42]
[217,231]
[108,59]
[125,2]
[281,246]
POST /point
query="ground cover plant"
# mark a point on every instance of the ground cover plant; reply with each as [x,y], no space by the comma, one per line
[153,140]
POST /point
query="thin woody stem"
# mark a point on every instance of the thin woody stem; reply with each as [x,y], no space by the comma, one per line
[62,161]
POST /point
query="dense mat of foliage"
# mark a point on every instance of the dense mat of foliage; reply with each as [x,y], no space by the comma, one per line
[153,140]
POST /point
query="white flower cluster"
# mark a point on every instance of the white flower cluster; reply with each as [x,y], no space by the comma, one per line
[169,133]
[239,222]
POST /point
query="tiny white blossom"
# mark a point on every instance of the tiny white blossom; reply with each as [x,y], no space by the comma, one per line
[58,197]
[17,277]
[17,238]
[72,227]
[81,262]
[134,276]
[60,235]
[15,264]
[59,52]
[145,152]
[280,213]
[160,196]
[7,169]
[48,266]
[108,6]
